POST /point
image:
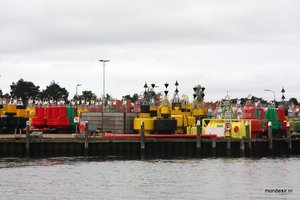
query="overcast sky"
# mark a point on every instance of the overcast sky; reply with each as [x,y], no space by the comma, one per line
[239,46]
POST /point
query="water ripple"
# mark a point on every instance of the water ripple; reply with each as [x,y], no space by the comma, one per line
[94,178]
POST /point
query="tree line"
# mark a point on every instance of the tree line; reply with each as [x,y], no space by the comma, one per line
[27,89]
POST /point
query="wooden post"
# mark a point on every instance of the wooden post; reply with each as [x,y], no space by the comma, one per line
[289,138]
[228,144]
[27,139]
[142,135]
[242,148]
[76,129]
[248,137]
[86,141]
[270,138]
[198,138]
[102,116]
[214,148]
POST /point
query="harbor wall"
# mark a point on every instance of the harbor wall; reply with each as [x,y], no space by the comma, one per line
[153,148]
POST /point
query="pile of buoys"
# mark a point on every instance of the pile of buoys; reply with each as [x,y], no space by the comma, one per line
[52,115]
[13,116]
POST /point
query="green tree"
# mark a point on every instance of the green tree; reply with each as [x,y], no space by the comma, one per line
[134,97]
[24,89]
[294,100]
[88,95]
[108,97]
[6,95]
[54,91]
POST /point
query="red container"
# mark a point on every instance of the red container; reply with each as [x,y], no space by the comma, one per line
[51,114]
[62,111]
[39,111]
[280,112]
[61,120]
[256,126]
[39,120]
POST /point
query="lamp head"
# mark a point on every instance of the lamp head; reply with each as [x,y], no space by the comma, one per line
[103,60]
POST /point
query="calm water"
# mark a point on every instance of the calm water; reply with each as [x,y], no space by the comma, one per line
[80,178]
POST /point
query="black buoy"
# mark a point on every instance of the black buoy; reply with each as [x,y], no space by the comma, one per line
[145,86]
[176,84]
[152,85]
[166,85]
[282,91]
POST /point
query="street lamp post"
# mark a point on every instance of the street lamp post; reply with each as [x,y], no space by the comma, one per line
[268,90]
[103,101]
[77,90]
[104,61]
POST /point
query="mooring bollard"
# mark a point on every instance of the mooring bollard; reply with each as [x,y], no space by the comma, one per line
[248,137]
[142,135]
[289,137]
[27,139]
[86,141]
[198,137]
[270,138]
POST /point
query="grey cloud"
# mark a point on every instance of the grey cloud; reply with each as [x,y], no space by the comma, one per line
[155,41]
[41,24]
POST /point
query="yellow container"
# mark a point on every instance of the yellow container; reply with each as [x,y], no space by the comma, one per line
[81,109]
[176,111]
[11,108]
[191,130]
[148,124]
[21,111]
[31,113]
[1,110]
[234,128]
[191,121]
[184,121]
[153,108]
[179,120]
[144,115]
[164,110]
[194,130]
[200,112]
[188,130]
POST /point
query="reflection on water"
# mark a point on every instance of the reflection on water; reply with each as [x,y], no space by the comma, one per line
[96,178]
